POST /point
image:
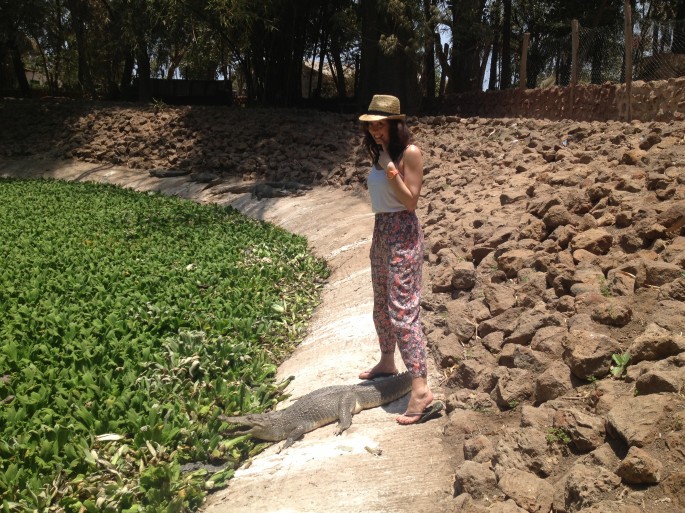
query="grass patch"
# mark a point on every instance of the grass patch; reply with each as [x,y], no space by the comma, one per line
[128,323]
[604,288]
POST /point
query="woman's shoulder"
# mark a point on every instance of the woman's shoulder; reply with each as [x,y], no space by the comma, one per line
[412,151]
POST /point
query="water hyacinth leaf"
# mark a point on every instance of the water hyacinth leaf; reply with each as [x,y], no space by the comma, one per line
[120,452]
[99,312]
[220,479]
[109,437]
[90,506]
[229,444]
[88,456]
[150,448]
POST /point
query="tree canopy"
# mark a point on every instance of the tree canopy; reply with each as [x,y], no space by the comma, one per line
[277,52]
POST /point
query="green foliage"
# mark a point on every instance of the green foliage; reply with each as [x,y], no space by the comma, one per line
[558,436]
[129,322]
[604,288]
[620,365]
[158,105]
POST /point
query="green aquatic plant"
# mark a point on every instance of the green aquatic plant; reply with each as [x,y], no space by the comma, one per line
[128,323]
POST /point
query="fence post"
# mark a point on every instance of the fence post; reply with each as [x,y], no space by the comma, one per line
[574,63]
[629,57]
[523,77]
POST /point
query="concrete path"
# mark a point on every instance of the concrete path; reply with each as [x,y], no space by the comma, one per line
[321,472]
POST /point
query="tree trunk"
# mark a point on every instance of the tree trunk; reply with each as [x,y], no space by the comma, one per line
[19,69]
[494,56]
[177,57]
[679,29]
[369,51]
[466,46]
[564,69]
[357,67]
[295,56]
[596,60]
[256,64]
[127,72]
[484,65]
[443,80]
[250,88]
[283,58]
[322,58]
[50,77]
[54,77]
[144,84]
[79,19]
[505,77]
[395,73]
[446,72]
[5,78]
[315,51]
[535,65]
[339,71]
[429,58]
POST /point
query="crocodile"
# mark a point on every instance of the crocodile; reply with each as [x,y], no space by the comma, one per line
[321,407]
[261,190]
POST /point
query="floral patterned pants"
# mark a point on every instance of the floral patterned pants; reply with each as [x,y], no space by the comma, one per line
[396,268]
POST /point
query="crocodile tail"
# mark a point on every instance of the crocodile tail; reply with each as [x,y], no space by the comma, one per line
[390,389]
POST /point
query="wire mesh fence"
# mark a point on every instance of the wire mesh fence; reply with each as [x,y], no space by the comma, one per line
[601,55]
[549,62]
[658,51]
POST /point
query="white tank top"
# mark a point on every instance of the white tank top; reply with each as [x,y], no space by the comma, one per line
[383,199]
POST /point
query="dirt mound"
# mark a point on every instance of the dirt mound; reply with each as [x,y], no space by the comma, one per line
[210,144]
[554,301]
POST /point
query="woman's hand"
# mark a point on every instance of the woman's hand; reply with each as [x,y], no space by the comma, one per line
[384,159]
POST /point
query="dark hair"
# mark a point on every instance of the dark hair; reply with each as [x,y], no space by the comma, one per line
[400,138]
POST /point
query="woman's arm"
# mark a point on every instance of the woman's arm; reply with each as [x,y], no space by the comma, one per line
[407,187]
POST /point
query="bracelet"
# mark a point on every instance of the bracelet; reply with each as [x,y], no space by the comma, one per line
[390,174]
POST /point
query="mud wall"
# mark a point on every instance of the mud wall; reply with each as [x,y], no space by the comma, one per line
[660,100]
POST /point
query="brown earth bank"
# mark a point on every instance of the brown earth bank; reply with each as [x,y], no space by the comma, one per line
[553,250]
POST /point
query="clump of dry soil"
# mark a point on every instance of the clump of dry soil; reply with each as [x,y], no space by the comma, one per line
[552,249]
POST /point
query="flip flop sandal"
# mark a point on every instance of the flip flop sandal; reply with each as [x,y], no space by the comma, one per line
[429,413]
[374,375]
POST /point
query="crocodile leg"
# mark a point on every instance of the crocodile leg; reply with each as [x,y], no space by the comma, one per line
[293,436]
[346,407]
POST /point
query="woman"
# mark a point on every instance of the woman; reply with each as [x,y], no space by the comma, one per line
[397,248]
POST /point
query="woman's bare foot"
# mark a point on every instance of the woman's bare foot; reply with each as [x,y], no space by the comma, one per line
[421,398]
[378,371]
[386,367]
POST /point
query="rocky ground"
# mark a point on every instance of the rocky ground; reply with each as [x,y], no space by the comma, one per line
[555,254]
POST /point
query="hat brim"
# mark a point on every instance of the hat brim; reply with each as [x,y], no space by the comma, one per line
[378,117]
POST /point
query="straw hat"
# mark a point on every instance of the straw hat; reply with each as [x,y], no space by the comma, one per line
[382,106]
